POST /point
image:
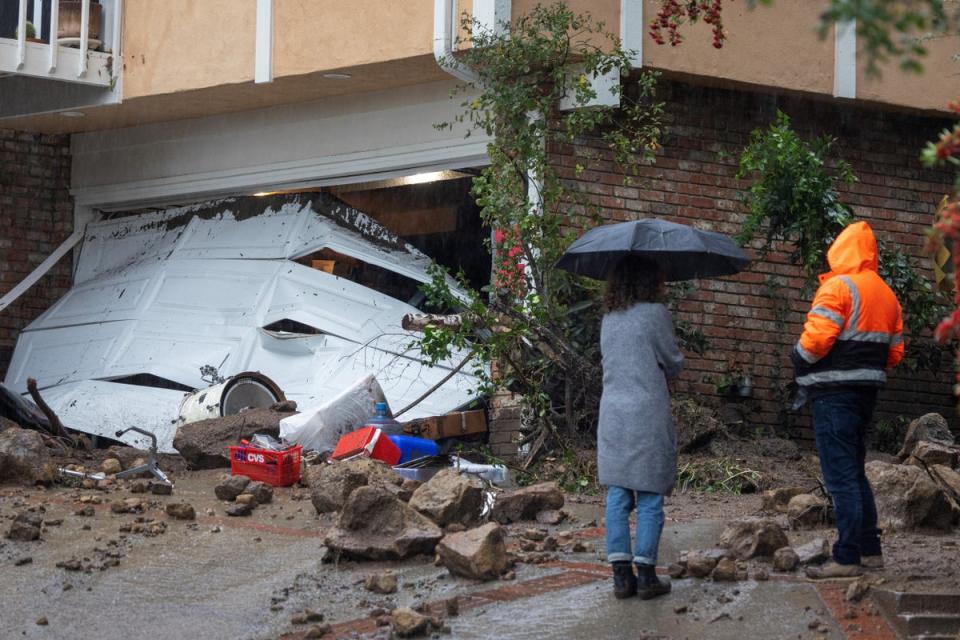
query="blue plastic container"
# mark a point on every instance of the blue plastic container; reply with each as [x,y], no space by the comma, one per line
[412,447]
[381,421]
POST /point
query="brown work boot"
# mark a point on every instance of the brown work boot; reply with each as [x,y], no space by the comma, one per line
[872,562]
[834,571]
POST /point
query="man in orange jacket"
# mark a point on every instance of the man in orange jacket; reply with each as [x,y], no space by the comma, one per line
[852,336]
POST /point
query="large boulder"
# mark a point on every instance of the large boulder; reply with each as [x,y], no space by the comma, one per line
[700,563]
[931,426]
[204,444]
[448,498]
[776,500]
[376,525]
[332,483]
[751,537]
[23,456]
[948,478]
[907,498]
[478,553]
[930,452]
[806,511]
[526,503]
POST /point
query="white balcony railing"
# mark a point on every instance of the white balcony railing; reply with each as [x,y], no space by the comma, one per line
[68,60]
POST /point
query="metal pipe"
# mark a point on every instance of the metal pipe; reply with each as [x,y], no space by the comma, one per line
[54,45]
[22,35]
[84,36]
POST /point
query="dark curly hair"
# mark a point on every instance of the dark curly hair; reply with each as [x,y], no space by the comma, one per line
[633,279]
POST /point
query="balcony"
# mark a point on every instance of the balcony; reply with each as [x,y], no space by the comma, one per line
[58,55]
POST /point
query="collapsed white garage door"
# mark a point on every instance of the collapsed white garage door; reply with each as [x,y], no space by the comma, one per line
[177,293]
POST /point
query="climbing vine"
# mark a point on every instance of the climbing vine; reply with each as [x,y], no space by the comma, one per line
[793,197]
[534,330]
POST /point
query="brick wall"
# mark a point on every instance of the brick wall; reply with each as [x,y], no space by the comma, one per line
[36,215]
[752,320]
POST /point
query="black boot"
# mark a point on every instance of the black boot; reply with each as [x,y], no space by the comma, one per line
[648,584]
[624,582]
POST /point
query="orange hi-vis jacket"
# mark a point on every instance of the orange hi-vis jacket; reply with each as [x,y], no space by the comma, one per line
[854,330]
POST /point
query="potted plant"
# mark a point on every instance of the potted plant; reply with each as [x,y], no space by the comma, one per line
[71,12]
[31,33]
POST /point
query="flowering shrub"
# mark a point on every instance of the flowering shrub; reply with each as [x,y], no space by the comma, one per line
[673,13]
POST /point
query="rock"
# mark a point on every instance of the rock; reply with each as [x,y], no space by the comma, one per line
[449,497]
[181,511]
[317,631]
[551,517]
[407,623]
[25,527]
[204,444]
[376,525]
[751,537]
[907,498]
[760,575]
[452,606]
[408,488]
[261,491]
[785,559]
[22,455]
[676,571]
[695,423]
[239,510]
[479,554]
[331,484]
[248,499]
[931,426]
[533,534]
[42,621]
[526,503]
[111,466]
[230,487]
[382,583]
[948,477]
[776,500]
[160,488]
[19,562]
[285,406]
[857,589]
[85,511]
[701,563]
[813,552]
[138,487]
[454,527]
[725,571]
[928,452]
[128,505]
[806,511]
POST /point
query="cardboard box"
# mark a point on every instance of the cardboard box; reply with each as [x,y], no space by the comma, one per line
[452,425]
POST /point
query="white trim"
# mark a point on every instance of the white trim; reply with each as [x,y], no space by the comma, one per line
[845,60]
[84,37]
[320,171]
[22,35]
[632,30]
[41,270]
[263,69]
[492,14]
[38,15]
[36,62]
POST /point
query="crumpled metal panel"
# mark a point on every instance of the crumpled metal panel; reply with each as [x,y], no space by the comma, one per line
[168,293]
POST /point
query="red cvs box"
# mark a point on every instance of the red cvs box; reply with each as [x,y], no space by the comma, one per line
[367,441]
[278,468]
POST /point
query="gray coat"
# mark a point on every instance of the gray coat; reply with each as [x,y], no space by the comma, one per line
[636,439]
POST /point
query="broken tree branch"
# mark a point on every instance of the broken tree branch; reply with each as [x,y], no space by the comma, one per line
[420,321]
[442,382]
[56,426]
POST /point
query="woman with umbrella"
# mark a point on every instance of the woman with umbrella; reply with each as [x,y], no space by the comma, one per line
[636,439]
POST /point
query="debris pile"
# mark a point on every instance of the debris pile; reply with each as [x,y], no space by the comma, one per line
[205,444]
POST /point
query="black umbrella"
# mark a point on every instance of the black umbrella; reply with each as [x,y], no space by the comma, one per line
[683,253]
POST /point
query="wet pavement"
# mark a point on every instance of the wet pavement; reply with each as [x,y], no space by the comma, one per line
[244,578]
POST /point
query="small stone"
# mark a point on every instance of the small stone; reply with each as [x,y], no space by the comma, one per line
[261,492]
[181,511]
[857,589]
[814,552]
[551,516]
[785,559]
[19,562]
[111,466]
[382,583]
[23,532]
[86,511]
[318,631]
[509,575]
[138,487]
[160,488]
[725,571]
[231,487]
[813,624]
[701,563]
[42,621]
[452,606]
[676,571]
[534,534]
[680,608]
[247,498]
[408,623]
[239,510]
[73,564]
[760,575]
[313,616]
[298,618]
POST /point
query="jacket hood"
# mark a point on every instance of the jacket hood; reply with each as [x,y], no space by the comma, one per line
[853,251]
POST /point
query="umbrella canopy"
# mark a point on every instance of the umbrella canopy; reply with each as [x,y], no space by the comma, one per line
[682,252]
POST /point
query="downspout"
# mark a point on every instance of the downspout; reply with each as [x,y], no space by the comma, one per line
[444,23]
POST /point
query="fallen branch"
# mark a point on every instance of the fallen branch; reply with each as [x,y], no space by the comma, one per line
[420,321]
[429,391]
[56,427]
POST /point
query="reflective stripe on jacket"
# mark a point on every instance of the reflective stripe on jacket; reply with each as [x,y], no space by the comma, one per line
[854,329]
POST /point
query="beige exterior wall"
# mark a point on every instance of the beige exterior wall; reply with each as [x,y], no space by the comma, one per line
[932,89]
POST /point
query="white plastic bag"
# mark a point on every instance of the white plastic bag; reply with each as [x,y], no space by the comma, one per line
[321,428]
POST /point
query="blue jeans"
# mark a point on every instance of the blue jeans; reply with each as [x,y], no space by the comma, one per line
[840,420]
[620,502]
